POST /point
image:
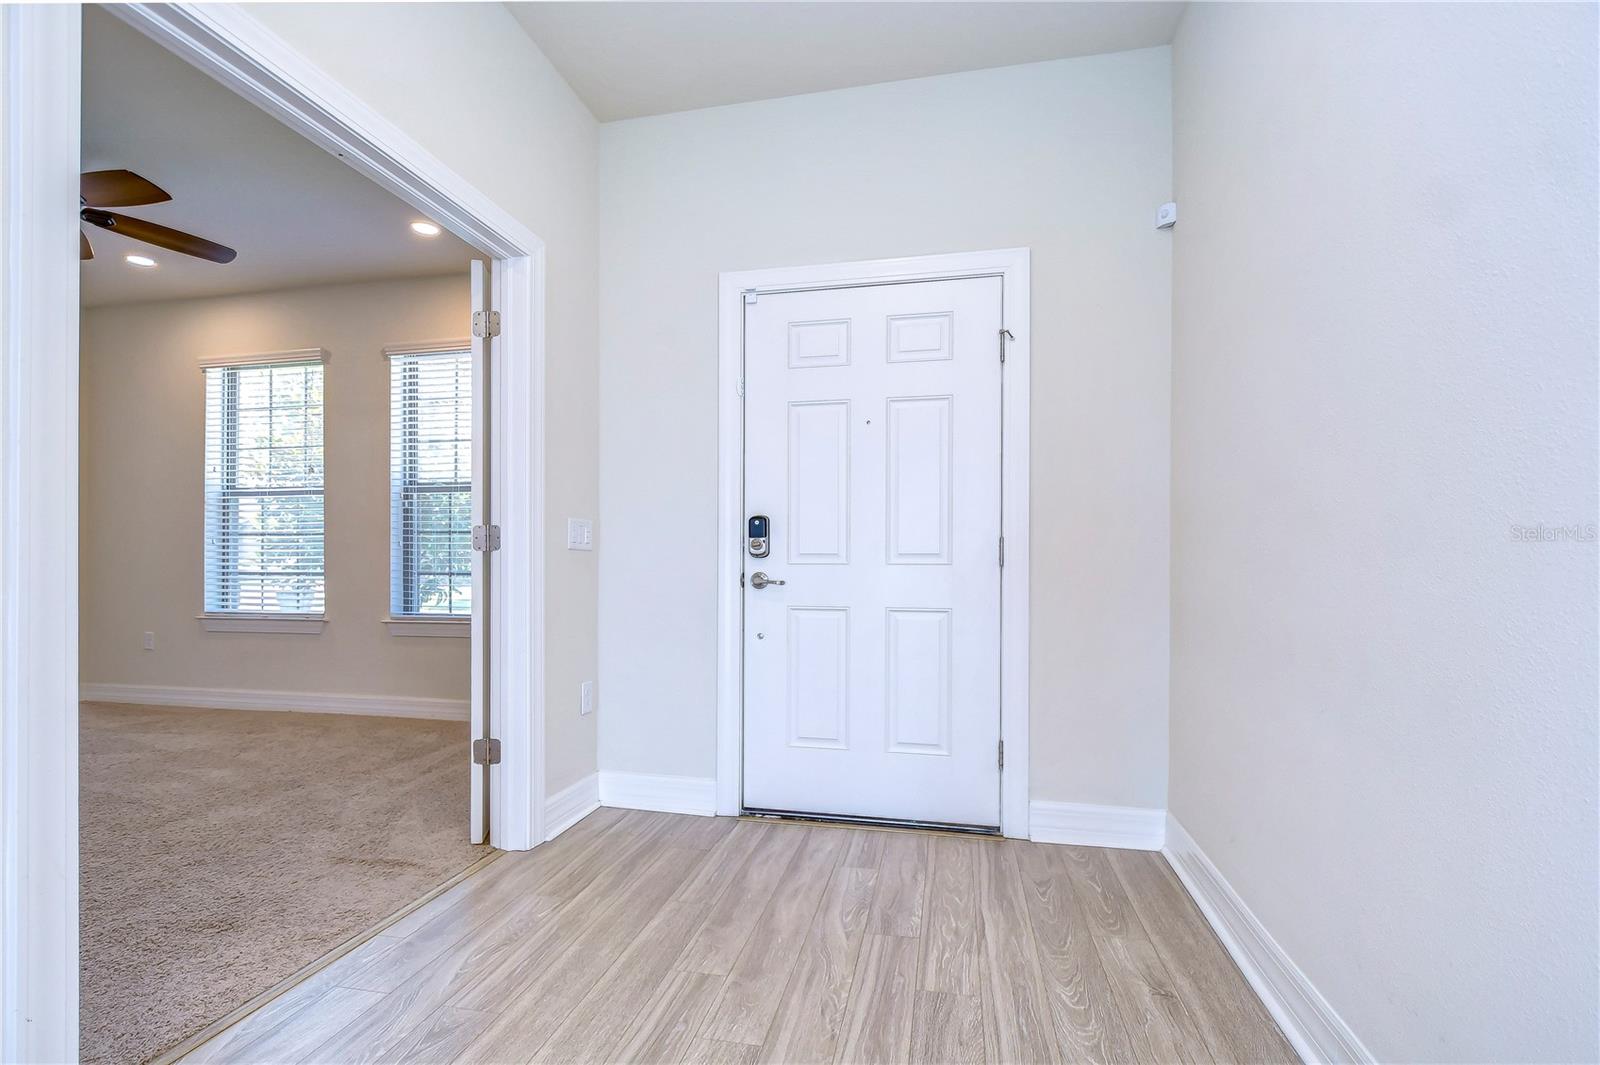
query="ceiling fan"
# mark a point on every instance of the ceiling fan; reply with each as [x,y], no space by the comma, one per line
[123,188]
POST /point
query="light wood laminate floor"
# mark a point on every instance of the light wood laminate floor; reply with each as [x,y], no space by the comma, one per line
[648,937]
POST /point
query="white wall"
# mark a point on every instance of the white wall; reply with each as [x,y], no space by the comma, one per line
[465,81]
[1070,158]
[1383,704]
[141,451]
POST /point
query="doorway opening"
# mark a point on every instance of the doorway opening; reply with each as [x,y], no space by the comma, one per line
[281,466]
[41,50]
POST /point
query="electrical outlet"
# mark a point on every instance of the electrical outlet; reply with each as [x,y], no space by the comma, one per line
[149,641]
[586,697]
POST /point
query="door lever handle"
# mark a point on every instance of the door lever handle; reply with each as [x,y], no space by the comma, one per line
[759,580]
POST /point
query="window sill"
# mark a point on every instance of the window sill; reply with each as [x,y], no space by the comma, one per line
[305,624]
[456,628]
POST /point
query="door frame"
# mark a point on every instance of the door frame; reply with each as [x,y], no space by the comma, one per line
[1011,265]
[40,97]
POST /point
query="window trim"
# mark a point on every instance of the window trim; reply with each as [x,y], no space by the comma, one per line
[252,620]
[262,623]
[397,622]
[265,358]
[429,347]
[449,626]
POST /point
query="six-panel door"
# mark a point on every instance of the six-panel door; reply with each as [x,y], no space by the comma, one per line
[872,441]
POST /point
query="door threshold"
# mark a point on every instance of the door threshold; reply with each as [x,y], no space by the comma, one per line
[882,824]
[205,1035]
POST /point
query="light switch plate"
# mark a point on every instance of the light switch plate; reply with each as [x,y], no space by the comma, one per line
[580,534]
[586,698]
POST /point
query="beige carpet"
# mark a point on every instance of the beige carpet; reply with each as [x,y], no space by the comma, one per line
[222,850]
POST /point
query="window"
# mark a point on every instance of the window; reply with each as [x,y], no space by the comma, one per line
[264,487]
[430,483]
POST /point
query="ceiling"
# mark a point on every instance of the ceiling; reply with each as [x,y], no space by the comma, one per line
[296,215]
[628,59]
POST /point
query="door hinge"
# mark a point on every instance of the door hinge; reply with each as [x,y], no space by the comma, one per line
[1002,551]
[1002,754]
[486,537]
[1005,335]
[749,295]
[741,387]
[485,752]
[485,323]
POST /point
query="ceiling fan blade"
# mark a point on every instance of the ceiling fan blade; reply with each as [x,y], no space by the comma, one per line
[161,236]
[84,251]
[118,188]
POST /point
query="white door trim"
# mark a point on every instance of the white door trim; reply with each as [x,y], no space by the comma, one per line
[39,129]
[39,89]
[1012,267]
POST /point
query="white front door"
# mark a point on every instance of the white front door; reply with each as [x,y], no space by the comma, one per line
[872,446]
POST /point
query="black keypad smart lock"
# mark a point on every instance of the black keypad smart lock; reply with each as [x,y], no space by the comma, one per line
[757,536]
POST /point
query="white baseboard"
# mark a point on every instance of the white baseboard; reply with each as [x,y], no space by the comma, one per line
[1311,1025]
[1086,825]
[646,791]
[571,804]
[302,702]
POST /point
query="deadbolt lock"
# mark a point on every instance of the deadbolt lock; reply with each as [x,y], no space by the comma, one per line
[758,536]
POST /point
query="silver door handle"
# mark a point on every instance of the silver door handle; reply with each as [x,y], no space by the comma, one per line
[759,580]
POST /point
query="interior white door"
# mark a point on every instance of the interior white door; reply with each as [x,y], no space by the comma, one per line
[872,445]
[478,812]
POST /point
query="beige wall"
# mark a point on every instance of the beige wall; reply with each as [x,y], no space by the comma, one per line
[493,109]
[1070,158]
[1384,359]
[141,491]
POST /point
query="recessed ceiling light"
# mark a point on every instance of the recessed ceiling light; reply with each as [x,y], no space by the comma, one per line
[425,229]
[138,260]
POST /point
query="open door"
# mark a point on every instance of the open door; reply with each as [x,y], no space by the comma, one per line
[485,537]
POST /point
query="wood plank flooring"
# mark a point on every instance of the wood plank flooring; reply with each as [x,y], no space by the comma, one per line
[646,937]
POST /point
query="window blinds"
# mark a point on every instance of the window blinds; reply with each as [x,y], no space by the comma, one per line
[264,488]
[430,475]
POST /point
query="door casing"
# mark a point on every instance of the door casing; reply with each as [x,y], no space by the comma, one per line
[1011,265]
